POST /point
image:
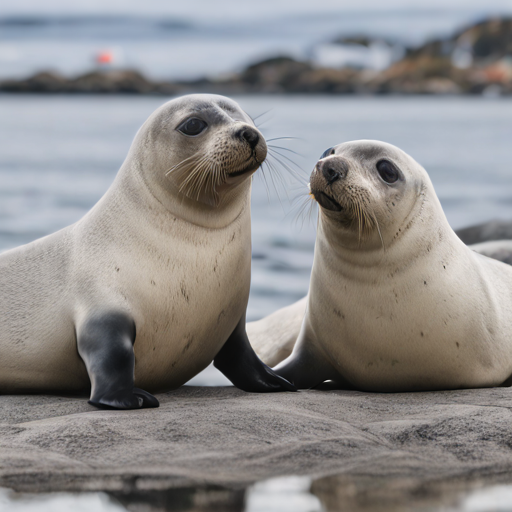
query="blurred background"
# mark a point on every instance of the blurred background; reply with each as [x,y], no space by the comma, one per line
[77,79]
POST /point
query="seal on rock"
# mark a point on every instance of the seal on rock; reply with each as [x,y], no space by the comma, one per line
[152,284]
[396,302]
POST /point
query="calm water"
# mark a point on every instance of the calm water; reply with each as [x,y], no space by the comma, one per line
[59,154]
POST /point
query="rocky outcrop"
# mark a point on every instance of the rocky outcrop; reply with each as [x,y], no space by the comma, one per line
[95,82]
[474,61]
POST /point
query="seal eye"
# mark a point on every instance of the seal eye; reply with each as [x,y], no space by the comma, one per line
[192,127]
[388,172]
[327,152]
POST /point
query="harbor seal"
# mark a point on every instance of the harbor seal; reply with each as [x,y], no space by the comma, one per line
[396,302]
[273,337]
[152,284]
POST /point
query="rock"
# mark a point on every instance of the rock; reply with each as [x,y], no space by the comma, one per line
[326,81]
[45,82]
[95,82]
[493,230]
[277,74]
[130,82]
[227,438]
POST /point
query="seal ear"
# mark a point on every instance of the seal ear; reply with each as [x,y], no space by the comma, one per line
[105,343]
[327,152]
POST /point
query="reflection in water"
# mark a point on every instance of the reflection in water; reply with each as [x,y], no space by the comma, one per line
[495,499]
[284,494]
[11,501]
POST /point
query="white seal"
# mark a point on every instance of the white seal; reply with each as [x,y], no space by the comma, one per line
[152,284]
[396,302]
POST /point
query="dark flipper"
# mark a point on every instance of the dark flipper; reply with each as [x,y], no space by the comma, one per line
[239,363]
[105,343]
[306,368]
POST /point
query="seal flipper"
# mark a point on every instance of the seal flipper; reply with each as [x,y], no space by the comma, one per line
[305,367]
[105,343]
[240,364]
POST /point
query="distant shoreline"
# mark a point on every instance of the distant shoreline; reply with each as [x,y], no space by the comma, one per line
[313,81]
[475,61]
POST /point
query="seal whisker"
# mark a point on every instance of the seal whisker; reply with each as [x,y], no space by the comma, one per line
[273,171]
[261,115]
[272,174]
[264,177]
[302,208]
[378,230]
[190,183]
[285,149]
[284,138]
[293,173]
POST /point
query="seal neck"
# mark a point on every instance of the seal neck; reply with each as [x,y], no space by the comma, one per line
[165,197]
[424,230]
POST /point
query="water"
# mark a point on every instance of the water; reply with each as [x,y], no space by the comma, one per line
[59,154]
[282,494]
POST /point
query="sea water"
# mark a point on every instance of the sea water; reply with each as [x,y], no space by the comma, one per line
[59,154]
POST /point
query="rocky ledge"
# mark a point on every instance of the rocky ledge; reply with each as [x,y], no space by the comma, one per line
[217,440]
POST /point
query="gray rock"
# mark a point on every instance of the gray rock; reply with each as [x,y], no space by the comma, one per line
[227,438]
[493,230]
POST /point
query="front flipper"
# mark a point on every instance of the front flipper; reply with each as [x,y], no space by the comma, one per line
[105,343]
[238,362]
[306,367]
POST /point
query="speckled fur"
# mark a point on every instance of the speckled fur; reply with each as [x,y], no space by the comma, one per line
[179,267]
[413,310]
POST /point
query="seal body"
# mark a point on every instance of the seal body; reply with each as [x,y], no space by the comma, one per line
[274,336]
[150,286]
[397,302]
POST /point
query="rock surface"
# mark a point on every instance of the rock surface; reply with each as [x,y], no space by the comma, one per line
[225,437]
[493,230]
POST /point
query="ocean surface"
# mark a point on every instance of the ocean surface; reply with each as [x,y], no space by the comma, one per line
[59,154]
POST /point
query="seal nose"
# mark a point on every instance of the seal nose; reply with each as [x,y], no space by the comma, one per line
[250,135]
[333,169]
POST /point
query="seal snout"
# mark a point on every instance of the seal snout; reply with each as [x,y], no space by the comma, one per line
[250,135]
[332,169]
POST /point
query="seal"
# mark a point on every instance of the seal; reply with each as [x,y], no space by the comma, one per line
[500,250]
[396,302]
[152,284]
[274,336]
